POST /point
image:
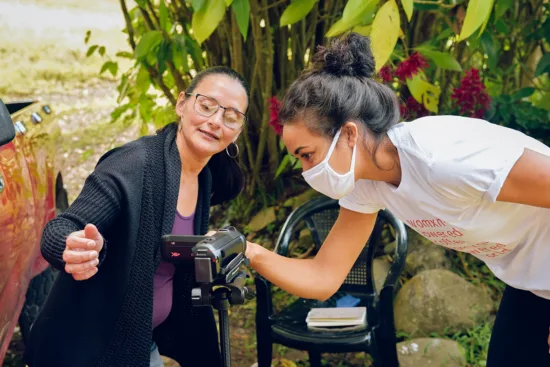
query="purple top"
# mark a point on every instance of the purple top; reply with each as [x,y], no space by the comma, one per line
[163,281]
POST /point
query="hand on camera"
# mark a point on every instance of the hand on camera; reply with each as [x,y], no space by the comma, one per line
[82,252]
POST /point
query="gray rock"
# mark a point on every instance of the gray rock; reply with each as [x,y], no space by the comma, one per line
[262,219]
[298,200]
[426,352]
[439,301]
[423,255]
[380,269]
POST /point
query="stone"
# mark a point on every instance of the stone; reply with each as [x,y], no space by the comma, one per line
[423,255]
[428,352]
[298,200]
[380,270]
[262,219]
[439,301]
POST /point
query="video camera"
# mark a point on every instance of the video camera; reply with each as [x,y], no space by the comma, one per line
[217,258]
[217,261]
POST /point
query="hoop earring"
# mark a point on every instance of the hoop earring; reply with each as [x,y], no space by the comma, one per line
[229,154]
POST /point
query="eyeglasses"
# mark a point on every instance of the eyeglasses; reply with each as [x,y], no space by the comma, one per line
[207,106]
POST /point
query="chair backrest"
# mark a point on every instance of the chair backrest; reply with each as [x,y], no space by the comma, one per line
[319,216]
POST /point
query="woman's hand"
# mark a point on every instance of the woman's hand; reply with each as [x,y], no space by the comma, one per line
[82,252]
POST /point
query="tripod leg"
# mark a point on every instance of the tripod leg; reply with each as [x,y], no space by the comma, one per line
[314,358]
[224,337]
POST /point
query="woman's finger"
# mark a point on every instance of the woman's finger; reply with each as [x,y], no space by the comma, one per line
[80,268]
[75,242]
[77,257]
[85,275]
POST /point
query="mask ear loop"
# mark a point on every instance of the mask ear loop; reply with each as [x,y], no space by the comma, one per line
[332,145]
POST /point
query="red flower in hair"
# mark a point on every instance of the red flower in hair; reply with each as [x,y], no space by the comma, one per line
[411,66]
[471,95]
[274,107]
[385,74]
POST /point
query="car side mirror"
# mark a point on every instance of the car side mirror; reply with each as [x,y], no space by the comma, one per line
[7,130]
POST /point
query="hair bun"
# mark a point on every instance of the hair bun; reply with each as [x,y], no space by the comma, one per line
[349,55]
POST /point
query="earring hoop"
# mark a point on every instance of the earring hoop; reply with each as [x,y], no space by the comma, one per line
[229,154]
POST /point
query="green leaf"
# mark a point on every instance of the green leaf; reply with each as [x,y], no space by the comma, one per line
[408,7]
[228,3]
[142,3]
[296,11]
[355,13]
[544,65]
[164,17]
[125,54]
[363,30]
[148,42]
[111,66]
[284,163]
[523,93]
[91,50]
[424,92]
[488,45]
[198,4]
[87,37]
[102,51]
[448,32]
[501,6]
[476,14]
[384,33]
[502,27]
[486,19]
[179,53]
[163,54]
[143,80]
[241,8]
[442,59]
[206,20]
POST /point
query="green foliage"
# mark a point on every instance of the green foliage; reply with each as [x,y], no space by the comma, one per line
[270,43]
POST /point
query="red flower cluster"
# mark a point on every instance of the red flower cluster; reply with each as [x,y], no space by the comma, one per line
[412,109]
[411,66]
[471,95]
[274,107]
[385,74]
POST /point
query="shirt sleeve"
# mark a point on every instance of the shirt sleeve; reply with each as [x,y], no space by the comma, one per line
[362,198]
[476,168]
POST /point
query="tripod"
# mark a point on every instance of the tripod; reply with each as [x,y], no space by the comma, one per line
[221,297]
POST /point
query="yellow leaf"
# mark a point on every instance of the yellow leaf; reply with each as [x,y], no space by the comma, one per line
[408,7]
[228,2]
[296,11]
[384,33]
[477,13]
[424,92]
[206,19]
[355,12]
[363,30]
[487,18]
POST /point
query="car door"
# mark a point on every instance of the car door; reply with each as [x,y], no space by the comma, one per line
[17,233]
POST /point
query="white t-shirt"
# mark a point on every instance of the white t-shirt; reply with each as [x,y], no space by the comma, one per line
[452,171]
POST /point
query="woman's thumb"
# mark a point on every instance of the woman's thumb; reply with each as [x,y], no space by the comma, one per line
[91,232]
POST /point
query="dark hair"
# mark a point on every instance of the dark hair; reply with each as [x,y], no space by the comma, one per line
[338,87]
[227,174]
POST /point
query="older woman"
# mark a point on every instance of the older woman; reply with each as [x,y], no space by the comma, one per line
[115,300]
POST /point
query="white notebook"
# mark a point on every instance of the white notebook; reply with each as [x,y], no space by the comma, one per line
[337,316]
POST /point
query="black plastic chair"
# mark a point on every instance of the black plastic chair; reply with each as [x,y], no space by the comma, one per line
[288,327]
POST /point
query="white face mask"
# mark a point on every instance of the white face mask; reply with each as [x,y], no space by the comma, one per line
[324,179]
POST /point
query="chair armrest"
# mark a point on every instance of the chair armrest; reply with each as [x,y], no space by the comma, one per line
[401,249]
[264,301]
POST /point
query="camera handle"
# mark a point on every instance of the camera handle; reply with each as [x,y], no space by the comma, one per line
[221,298]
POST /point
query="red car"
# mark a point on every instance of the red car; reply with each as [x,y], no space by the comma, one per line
[31,191]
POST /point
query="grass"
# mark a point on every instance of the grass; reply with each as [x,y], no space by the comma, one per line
[43,50]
